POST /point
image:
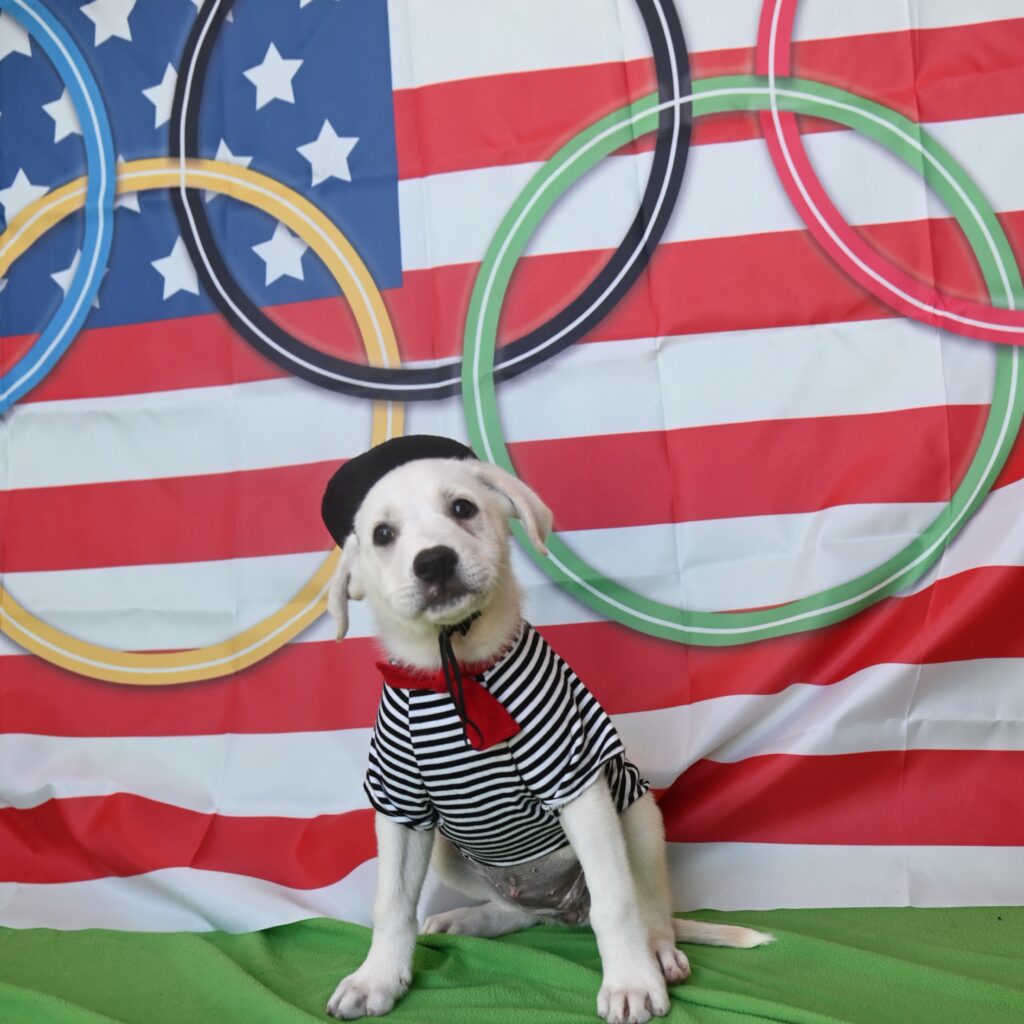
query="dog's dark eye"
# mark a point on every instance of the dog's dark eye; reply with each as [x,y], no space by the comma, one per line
[383,535]
[463,509]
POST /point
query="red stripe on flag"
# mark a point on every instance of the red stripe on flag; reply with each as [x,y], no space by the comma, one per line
[769,467]
[80,838]
[508,119]
[304,687]
[181,519]
[162,355]
[928,75]
[882,798]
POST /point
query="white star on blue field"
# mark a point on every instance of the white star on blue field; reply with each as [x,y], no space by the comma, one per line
[300,91]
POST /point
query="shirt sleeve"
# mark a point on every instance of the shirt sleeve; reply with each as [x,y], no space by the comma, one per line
[573,744]
[393,783]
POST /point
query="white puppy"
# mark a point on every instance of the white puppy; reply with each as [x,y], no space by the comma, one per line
[430,551]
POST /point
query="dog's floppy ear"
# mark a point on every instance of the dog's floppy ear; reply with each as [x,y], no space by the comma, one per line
[526,505]
[344,585]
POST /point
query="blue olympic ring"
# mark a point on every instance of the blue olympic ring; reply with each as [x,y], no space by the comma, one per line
[37,362]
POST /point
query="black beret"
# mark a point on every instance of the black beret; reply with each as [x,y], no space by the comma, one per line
[350,484]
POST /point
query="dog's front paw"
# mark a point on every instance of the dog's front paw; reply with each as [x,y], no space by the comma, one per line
[364,994]
[634,1001]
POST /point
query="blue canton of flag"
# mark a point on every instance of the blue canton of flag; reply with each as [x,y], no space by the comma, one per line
[299,91]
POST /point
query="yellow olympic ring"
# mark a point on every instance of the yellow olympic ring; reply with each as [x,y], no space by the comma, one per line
[355,282]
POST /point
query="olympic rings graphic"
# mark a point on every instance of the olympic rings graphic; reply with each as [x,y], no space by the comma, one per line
[327,241]
[976,218]
[864,264]
[776,99]
[58,334]
[440,379]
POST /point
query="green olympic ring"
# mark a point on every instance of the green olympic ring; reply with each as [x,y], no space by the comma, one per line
[906,140]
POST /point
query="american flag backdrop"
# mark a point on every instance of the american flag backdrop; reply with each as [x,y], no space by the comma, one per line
[764,369]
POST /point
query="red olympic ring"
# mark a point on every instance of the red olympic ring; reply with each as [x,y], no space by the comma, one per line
[881,278]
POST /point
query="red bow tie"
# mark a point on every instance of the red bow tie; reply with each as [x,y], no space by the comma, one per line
[482,708]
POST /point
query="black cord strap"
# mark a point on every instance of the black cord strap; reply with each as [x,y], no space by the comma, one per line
[453,673]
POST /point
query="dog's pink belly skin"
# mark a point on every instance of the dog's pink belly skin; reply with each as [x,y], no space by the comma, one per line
[551,887]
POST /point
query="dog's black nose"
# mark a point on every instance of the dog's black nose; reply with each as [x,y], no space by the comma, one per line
[435,565]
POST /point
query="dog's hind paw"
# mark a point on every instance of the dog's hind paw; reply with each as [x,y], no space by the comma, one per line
[485,921]
[674,964]
[461,921]
[362,995]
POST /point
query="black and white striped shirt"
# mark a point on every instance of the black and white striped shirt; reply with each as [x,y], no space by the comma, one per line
[499,805]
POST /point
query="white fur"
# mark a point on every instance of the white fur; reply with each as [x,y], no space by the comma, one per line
[623,856]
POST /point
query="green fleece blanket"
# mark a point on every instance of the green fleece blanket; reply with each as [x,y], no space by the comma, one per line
[870,966]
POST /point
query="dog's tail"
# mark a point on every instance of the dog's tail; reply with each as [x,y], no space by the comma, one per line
[705,933]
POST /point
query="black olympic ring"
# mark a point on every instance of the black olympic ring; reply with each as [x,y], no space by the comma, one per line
[442,379]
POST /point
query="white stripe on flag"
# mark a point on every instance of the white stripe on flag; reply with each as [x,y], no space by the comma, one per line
[284,775]
[183,900]
[187,432]
[700,380]
[508,36]
[764,876]
[976,705]
[165,606]
[734,24]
